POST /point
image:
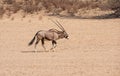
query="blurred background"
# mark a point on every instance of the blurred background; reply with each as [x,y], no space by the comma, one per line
[69,8]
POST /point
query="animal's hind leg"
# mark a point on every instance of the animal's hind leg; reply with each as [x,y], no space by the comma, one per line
[36,43]
[54,44]
[42,41]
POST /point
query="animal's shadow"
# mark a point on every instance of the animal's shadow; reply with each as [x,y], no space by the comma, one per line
[33,51]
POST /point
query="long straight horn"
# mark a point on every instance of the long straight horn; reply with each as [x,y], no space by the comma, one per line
[57,24]
[60,25]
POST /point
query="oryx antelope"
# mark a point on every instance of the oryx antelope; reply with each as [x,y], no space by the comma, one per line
[50,35]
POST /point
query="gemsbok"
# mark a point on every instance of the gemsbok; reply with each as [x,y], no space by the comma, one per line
[49,35]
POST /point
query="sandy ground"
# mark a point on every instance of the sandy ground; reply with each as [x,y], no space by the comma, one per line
[92,50]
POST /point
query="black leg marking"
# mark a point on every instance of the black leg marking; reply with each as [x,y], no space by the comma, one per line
[54,44]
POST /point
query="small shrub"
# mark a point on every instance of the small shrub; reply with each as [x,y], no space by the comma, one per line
[15,7]
[2,11]
[8,1]
[114,5]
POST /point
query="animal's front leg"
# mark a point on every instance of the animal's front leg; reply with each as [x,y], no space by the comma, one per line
[54,44]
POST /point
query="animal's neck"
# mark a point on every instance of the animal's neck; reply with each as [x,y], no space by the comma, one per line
[60,34]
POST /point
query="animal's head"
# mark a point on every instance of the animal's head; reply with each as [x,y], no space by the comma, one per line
[65,35]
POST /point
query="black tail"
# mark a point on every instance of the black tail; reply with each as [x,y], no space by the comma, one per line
[31,42]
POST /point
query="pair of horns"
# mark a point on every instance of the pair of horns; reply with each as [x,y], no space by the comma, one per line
[58,24]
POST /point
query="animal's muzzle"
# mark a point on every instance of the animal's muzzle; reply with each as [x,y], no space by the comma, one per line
[67,37]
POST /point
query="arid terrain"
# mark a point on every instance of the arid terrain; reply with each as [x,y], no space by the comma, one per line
[92,50]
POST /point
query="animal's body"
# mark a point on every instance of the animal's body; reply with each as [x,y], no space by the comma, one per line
[50,35]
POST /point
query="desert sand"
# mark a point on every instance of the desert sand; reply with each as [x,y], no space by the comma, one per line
[93,48]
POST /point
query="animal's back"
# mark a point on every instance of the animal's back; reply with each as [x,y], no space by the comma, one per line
[48,35]
[53,30]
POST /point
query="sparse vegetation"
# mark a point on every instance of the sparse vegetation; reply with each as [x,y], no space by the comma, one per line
[55,7]
[115,5]
[1,11]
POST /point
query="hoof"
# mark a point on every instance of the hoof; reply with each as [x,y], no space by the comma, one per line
[52,50]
